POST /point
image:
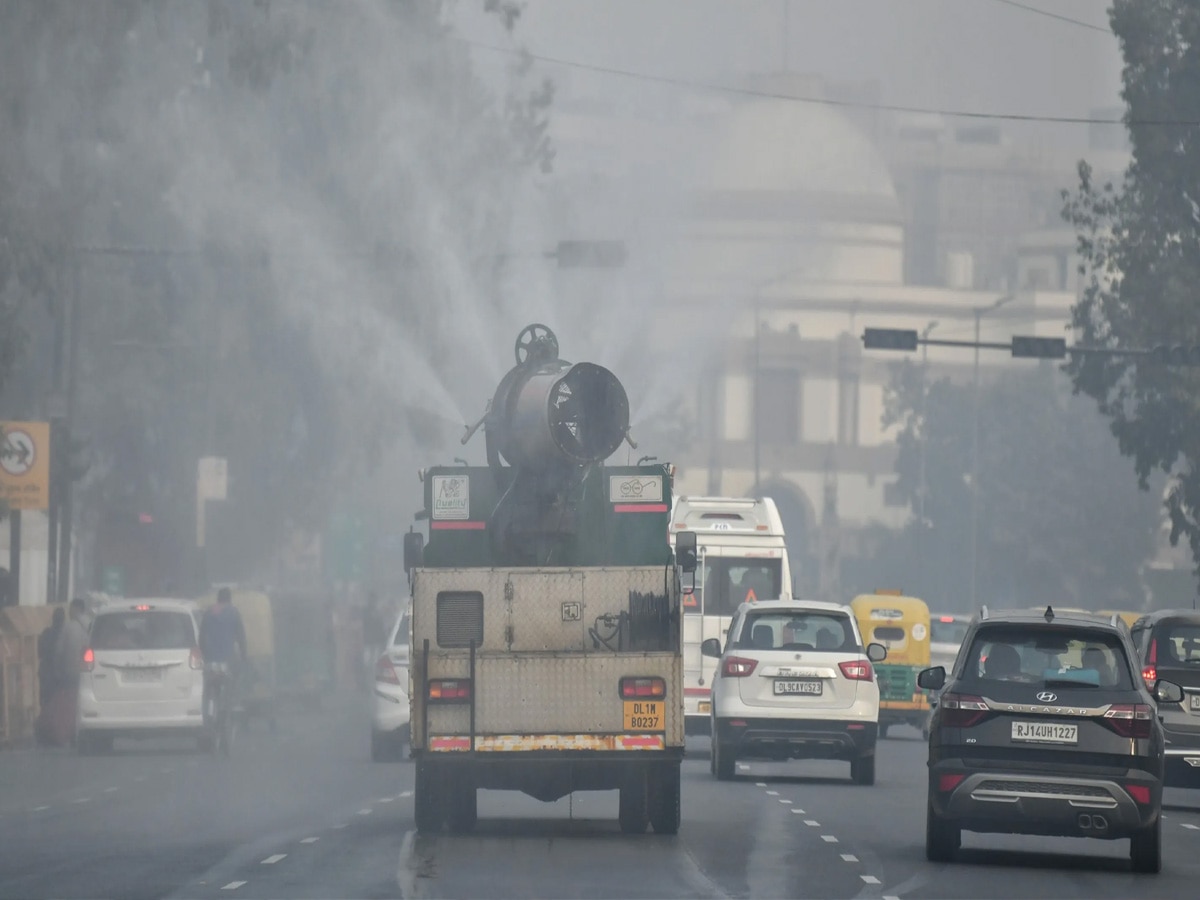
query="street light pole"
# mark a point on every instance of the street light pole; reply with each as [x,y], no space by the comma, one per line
[979,311]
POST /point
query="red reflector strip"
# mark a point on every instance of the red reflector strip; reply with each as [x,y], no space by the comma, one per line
[640,507]
[697,692]
[949,782]
[449,743]
[458,526]
[1140,793]
[641,740]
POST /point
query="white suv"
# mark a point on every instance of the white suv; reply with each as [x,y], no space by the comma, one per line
[142,673]
[389,707]
[794,683]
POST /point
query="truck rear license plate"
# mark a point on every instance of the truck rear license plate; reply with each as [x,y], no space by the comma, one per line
[797,687]
[1045,732]
[645,715]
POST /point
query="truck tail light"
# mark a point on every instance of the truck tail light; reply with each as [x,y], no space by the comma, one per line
[450,689]
[963,710]
[857,670]
[1131,720]
[738,666]
[639,688]
[89,660]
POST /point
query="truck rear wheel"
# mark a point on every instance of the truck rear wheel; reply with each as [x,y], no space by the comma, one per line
[664,792]
[428,798]
[632,811]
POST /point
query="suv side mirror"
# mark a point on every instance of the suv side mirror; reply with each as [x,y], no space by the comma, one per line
[932,679]
[876,652]
[711,647]
[414,550]
[1168,692]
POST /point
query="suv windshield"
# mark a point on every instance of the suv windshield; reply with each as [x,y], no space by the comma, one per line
[728,581]
[1178,644]
[1046,655]
[143,630]
[784,630]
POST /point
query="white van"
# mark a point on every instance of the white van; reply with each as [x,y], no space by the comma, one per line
[742,559]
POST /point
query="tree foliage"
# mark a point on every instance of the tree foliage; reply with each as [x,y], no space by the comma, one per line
[271,212]
[1140,244]
[1060,520]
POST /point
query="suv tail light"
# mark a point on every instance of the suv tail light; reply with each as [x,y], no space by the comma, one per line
[385,671]
[446,689]
[1150,670]
[195,660]
[89,660]
[1131,720]
[738,666]
[963,710]
[857,670]
[637,688]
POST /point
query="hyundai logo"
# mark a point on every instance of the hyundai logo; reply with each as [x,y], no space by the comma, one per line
[1047,697]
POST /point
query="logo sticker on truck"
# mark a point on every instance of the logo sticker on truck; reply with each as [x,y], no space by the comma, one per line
[635,488]
[451,496]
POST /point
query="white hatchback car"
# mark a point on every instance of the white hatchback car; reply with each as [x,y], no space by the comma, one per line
[389,706]
[794,682]
[142,673]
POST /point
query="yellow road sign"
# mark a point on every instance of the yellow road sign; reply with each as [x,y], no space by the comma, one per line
[25,464]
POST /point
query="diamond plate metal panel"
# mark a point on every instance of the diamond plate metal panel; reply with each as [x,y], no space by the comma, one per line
[549,610]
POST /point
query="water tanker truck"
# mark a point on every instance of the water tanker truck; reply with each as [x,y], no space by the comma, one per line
[546,607]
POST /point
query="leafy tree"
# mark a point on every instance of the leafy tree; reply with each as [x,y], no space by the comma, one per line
[1140,244]
[1059,519]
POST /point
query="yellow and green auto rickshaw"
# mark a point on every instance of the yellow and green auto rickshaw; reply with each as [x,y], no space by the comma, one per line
[902,625]
[1126,616]
[257,689]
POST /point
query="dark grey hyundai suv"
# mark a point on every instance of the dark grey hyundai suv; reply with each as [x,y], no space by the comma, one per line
[1045,727]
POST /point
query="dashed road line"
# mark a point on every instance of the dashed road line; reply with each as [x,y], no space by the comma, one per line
[772,793]
[760,784]
[233,885]
[109,790]
[340,825]
[39,809]
[81,800]
[274,858]
[890,897]
[797,810]
[849,857]
[365,812]
[406,793]
[870,879]
[784,800]
[1191,826]
[829,839]
[309,840]
[385,800]
[812,823]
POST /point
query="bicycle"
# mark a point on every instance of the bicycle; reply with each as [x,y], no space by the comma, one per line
[218,713]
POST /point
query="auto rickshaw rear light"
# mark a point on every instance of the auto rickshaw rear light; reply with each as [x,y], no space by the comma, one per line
[89,660]
[963,710]
[949,782]
[637,688]
[385,671]
[195,660]
[1139,792]
[738,666]
[1131,720]
[857,670]
[446,689]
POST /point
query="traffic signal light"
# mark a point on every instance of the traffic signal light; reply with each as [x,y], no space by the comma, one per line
[1039,347]
[1175,355]
[890,339]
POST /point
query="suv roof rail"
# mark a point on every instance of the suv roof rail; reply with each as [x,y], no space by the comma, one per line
[983,611]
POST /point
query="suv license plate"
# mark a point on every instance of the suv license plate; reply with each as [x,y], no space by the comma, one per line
[142,675]
[797,687]
[1194,702]
[1045,732]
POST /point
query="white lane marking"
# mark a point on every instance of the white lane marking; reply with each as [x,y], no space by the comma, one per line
[365,812]
[384,800]
[39,809]
[869,879]
[406,793]
[743,765]
[341,825]
[1191,826]
[406,867]
[812,823]
[760,784]
[772,793]
[109,790]
[310,840]
[233,885]
[849,857]
[797,810]
[829,839]
[273,858]
[82,800]
[784,800]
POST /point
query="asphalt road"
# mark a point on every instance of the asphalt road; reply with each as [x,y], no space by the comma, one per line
[304,813]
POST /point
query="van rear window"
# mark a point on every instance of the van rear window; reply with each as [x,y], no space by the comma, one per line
[156,629]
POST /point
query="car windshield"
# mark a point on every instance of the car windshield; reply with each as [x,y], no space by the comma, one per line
[1046,655]
[1178,644]
[784,630]
[947,630]
[726,582]
[143,630]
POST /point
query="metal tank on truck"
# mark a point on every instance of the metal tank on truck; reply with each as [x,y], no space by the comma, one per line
[742,558]
[547,606]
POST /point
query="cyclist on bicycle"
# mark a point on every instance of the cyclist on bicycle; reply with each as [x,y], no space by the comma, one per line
[222,645]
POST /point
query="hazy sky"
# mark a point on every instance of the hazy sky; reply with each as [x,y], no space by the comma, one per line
[985,55]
